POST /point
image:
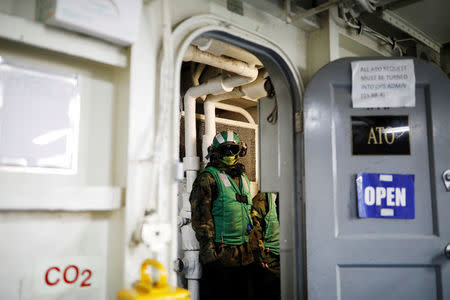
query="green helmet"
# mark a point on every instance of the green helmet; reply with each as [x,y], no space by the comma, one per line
[226,148]
[225,137]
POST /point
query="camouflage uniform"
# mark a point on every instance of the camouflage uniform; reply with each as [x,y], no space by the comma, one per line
[228,270]
[204,192]
[268,278]
[259,211]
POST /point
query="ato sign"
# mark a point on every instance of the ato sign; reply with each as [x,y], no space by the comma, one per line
[385,195]
[380,135]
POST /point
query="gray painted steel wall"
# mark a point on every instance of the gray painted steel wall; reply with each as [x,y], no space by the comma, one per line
[350,258]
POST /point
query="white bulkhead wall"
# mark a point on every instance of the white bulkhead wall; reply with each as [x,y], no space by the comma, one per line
[59,220]
[32,231]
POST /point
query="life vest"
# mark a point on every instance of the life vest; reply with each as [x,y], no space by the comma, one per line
[272,233]
[231,209]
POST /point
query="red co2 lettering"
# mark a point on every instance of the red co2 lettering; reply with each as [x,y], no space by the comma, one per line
[70,275]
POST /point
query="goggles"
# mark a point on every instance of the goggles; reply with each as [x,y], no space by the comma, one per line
[229,149]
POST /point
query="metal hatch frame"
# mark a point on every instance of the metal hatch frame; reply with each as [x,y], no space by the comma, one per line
[289,88]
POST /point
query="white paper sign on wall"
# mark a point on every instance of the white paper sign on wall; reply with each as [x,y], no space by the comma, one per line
[383,83]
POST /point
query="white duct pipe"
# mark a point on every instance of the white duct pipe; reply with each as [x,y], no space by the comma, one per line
[209,104]
[210,120]
[231,65]
[210,125]
[194,288]
[192,161]
[210,110]
[252,90]
[220,48]
[256,89]
[238,110]
[198,72]
[227,122]
[196,77]
[236,93]
[210,113]
[234,81]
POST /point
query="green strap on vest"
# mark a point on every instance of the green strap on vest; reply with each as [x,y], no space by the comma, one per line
[272,234]
[232,219]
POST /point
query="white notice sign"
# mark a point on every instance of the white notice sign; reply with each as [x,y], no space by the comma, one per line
[383,83]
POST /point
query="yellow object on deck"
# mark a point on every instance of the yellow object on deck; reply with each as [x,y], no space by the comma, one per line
[146,289]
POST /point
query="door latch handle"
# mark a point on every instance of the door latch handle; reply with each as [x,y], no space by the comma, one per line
[446,178]
[447,251]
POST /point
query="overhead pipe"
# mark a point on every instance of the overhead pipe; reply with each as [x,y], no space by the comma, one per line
[198,73]
[256,89]
[196,77]
[236,93]
[253,91]
[228,122]
[220,48]
[210,113]
[210,120]
[238,110]
[232,65]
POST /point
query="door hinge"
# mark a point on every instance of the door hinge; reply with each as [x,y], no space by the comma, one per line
[298,122]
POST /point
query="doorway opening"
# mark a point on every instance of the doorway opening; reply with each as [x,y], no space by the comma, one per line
[230,84]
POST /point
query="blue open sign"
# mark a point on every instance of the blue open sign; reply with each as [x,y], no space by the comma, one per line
[385,195]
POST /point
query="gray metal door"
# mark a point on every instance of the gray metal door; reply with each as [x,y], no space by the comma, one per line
[350,258]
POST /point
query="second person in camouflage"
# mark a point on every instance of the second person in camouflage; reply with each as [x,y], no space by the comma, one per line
[266,223]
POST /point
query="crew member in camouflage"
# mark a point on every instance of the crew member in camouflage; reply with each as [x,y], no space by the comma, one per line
[226,254]
[265,216]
